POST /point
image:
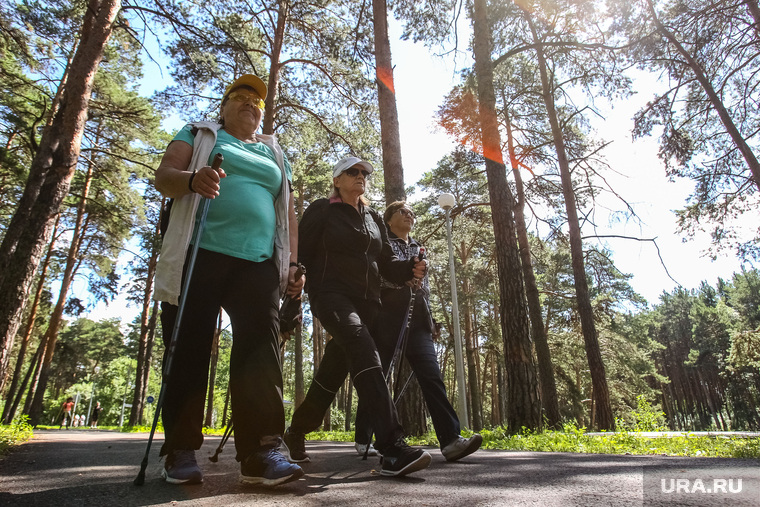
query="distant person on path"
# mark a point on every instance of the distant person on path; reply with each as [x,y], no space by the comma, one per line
[343,243]
[95,414]
[66,409]
[419,350]
[246,262]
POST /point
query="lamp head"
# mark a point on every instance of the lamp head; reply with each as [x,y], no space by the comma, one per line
[446,201]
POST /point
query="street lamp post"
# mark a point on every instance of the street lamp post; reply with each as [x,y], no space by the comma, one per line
[447,201]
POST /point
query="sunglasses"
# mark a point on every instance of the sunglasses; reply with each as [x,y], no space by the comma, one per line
[354,172]
[249,98]
[407,213]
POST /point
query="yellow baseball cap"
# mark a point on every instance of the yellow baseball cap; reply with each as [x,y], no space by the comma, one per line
[248,80]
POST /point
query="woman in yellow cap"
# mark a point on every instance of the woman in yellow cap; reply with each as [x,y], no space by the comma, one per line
[245,263]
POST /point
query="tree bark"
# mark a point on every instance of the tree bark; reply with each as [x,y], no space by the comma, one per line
[604,417]
[754,10]
[471,352]
[283,15]
[393,169]
[212,373]
[300,391]
[9,410]
[56,318]
[145,345]
[522,383]
[50,174]
[31,369]
[411,407]
[35,368]
[549,400]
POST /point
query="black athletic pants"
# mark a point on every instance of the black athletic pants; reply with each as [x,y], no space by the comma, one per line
[421,355]
[351,349]
[249,293]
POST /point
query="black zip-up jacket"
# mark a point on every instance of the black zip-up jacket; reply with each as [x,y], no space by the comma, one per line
[345,251]
[396,297]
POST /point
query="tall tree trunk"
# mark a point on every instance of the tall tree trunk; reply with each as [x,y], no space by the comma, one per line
[50,175]
[393,169]
[56,318]
[31,369]
[495,405]
[283,16]
[9,410]
[754,10]
[471,353]
[349,404]
[522,383]
[604,418]
[147,325]
[35,368]
[226,405]
[503,410]
[299,387]
[725,117]
[149,356]
[549,400]
[411,407]
[212,373]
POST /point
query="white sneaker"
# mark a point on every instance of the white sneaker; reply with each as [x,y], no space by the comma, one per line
[362,448]
[462,447]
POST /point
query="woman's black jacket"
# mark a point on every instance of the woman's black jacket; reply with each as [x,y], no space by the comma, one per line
[345,251]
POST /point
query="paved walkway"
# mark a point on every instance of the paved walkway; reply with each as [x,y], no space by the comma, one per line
[97,468]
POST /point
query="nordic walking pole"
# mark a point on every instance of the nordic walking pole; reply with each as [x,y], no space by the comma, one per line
[140,479]
[219,449]
[405,326]
[400,350]
[403,340]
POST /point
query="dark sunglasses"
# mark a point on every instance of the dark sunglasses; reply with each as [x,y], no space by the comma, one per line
[354,172]
[407,212]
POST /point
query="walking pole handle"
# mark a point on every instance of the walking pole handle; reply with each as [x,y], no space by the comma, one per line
[217,162]
[421,257]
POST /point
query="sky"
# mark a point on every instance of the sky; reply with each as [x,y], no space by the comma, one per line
[422,80]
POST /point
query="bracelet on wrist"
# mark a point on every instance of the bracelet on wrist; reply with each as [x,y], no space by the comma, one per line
[293,264]
[190,182]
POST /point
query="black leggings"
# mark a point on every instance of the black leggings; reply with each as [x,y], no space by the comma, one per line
[249,293]
[351,349]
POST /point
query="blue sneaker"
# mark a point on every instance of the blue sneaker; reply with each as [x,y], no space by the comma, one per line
[181,468]
[268,468]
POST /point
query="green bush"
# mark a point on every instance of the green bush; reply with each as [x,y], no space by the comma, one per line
[15,433]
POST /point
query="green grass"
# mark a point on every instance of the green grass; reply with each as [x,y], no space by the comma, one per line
[15,433]
[574,439]
[569,439]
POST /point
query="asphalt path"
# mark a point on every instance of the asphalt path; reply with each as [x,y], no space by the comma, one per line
[97,468]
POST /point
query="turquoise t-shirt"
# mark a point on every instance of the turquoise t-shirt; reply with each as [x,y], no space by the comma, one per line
[241,220]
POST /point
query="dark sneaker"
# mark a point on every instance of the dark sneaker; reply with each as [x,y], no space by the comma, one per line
[181,468]
[294,447]
[268,468]
[402,460]
[462,447]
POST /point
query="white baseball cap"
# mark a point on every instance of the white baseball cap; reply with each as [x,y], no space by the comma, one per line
[348,163]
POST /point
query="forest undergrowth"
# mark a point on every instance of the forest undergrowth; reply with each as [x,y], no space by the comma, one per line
[570,439]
